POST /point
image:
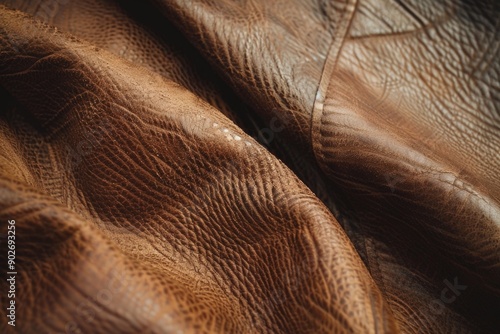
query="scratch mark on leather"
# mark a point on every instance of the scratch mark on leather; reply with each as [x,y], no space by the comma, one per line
[420,20]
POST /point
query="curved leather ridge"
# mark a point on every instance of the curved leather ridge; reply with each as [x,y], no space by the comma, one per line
[274,57]
[210,231]
[335,48]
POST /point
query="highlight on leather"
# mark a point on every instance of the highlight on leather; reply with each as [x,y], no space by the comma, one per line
[255,166]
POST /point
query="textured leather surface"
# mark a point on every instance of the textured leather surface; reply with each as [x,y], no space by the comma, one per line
[251,166]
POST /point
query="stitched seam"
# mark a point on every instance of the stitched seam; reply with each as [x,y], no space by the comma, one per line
[334,51]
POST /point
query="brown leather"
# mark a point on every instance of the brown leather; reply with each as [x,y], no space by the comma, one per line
[141,158]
